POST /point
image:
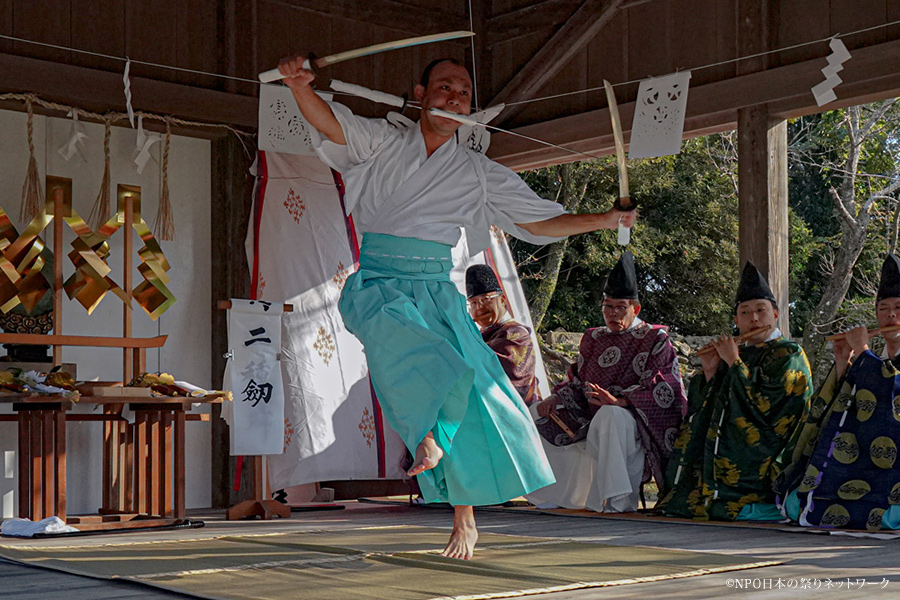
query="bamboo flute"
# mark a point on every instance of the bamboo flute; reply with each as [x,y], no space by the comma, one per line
[872,332]
[739,339]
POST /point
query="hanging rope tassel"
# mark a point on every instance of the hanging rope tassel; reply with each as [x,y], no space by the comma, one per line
[32,191]
[100,210]
[164,226]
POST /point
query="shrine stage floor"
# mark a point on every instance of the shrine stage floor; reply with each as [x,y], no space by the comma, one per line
[811,564]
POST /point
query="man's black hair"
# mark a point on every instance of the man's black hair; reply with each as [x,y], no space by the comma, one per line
[426,74]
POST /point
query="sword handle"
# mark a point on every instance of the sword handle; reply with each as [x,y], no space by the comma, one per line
[624,235]
[625,203]
[274,74]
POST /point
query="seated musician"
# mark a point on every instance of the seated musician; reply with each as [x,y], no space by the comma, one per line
[509,339]
[616,416]
[846,453]
[743,410]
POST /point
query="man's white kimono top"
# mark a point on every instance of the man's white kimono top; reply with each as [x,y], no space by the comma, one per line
[393,188]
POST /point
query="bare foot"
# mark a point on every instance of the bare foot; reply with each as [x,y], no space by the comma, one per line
[462,540]
[428,455]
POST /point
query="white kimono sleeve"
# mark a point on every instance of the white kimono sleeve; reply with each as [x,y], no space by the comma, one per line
[511,201]
[364,137]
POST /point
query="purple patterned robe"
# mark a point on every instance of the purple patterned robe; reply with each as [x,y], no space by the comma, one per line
[639,365]
[512,343]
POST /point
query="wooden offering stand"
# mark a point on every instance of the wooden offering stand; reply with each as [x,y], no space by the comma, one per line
[143,461]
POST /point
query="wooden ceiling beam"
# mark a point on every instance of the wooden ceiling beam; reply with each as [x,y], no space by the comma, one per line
[385,13]
[540,16]
[568,41]
[102,91]
[870,75]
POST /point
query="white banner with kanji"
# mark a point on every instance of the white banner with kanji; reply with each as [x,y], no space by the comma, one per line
[254,377]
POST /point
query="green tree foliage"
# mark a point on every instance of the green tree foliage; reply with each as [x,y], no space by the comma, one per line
[685,242]
[845,172]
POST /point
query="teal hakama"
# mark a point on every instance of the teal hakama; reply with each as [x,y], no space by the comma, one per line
[433,372]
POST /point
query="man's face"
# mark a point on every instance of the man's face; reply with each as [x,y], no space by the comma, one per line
[449,89]
[887,312]
[619,313]
[487,309]
[754,314]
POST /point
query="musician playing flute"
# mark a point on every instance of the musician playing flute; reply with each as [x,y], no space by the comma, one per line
[845,457]
[410,190]
[743,409]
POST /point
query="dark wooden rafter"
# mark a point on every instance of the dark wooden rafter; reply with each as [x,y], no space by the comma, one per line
[237,56]
[101,91]
[385,13]
[533,18]
[568,41]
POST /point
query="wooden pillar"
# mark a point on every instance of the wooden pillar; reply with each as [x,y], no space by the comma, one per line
[232,186]
[763,201]
[762,162]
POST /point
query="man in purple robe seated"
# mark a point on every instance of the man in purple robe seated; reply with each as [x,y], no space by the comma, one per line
[509,339]
[612,424]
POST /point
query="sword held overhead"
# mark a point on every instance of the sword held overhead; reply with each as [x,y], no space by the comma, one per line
[319,63]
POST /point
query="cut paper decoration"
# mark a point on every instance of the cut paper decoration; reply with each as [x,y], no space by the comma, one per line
[478,139]
[253,374]
[127,81]
[824,92]
[282,127]
[142,147]
[659,116]
[76,139]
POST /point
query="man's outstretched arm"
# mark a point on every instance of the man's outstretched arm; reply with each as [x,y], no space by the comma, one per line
[564,225]
[315,110]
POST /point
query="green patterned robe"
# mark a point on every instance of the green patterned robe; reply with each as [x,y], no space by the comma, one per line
[739,423]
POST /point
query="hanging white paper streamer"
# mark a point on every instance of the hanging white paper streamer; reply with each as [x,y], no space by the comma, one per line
[253,375]
[76,139]
[659,116]
[127,81]
[824,92]
[142,147]
[282,127]
[476,138]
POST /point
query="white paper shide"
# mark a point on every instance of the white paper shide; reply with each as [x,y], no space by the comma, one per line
[659,116]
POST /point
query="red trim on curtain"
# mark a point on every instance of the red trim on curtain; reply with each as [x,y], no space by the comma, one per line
[376,406]
[262,178]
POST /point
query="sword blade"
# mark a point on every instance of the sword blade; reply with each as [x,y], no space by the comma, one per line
[395,45]
[274,75]
[619,139]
